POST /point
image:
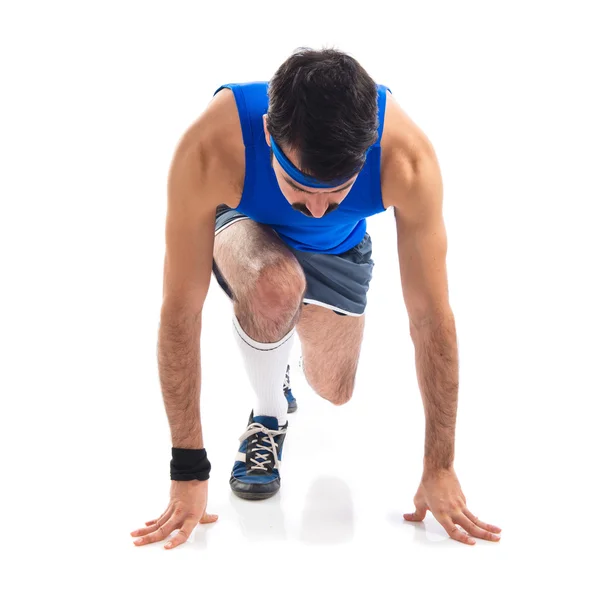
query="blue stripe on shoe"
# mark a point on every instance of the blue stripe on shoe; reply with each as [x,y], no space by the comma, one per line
[268,422]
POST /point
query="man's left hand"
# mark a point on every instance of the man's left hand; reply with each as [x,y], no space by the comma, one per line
[440,493]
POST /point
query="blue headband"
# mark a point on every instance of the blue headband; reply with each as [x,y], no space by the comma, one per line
[300,177]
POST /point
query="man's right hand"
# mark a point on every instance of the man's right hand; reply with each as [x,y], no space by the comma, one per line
[186,509]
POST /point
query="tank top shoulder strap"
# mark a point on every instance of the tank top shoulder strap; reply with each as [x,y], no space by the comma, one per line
[252,102]
[381,101]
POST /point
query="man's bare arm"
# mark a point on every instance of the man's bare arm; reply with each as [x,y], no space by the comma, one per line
[422,246]
[193,189]
[200,177]
[412,184]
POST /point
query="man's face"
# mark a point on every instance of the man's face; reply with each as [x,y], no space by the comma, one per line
[312,202]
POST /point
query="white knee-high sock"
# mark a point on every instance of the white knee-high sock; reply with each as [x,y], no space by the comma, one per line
[266,365]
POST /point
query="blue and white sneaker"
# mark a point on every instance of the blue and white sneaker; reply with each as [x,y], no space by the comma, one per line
[287,391]
[255,474]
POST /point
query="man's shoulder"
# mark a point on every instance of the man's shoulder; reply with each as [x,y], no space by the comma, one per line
[218,134]
[404,147]
[221,128]
[211,156]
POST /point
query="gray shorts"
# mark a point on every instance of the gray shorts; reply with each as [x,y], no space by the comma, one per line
[336,281]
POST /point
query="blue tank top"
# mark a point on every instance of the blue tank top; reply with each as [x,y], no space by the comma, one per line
[263,201]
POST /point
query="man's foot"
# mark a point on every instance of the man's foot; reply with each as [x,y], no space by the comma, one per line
[287,391]
[255,474]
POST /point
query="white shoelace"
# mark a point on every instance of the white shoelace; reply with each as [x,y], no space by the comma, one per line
[264,456]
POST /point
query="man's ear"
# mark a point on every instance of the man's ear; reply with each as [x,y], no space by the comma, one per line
[267,136]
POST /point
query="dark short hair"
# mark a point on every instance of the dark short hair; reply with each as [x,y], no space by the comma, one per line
[323,105]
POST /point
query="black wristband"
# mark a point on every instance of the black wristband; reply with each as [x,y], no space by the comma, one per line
[188,464]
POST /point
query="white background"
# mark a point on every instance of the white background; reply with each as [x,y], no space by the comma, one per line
[94,98]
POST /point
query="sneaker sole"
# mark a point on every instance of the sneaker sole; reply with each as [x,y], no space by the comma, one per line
[250,496]
[247,495]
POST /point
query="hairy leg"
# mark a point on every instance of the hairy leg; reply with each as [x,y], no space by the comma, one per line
[266,280]
[330,351]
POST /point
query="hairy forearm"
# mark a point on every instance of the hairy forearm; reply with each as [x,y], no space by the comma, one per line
[436,356]
[178,354]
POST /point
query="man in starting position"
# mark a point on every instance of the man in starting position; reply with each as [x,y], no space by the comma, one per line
[269,190]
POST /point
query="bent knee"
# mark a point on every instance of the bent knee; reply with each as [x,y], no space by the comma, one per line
[337,396]
[279,286]
[272,299]
[340,399]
